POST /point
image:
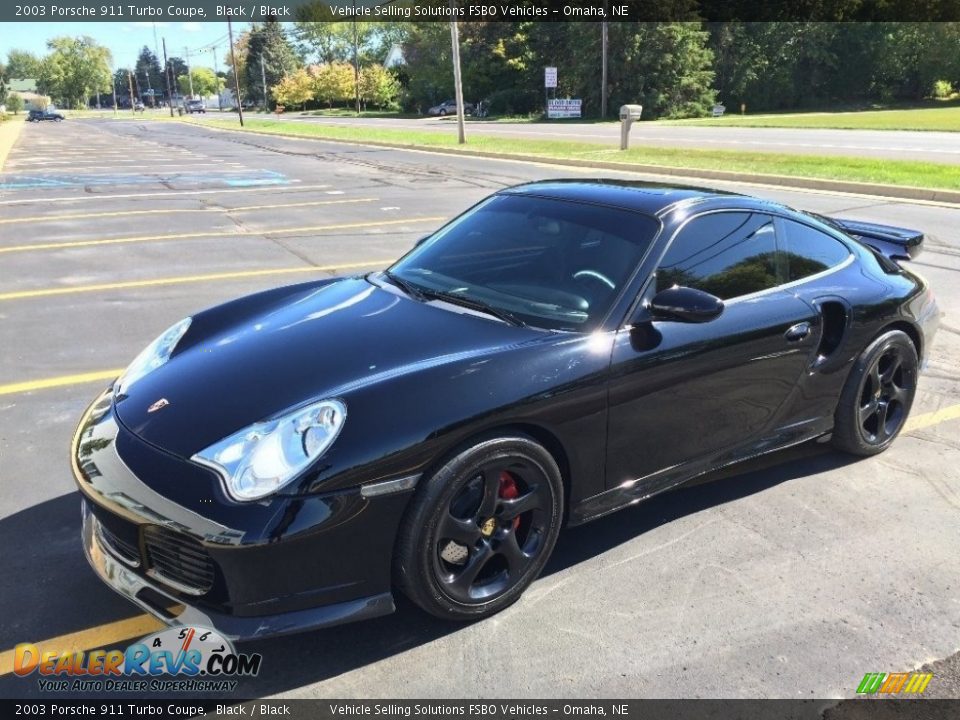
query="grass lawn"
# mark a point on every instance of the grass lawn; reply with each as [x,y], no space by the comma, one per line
[945,118]
[856,169]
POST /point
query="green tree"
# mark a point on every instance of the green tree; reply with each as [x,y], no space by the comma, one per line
[666,67]
[269,43]
[333,82]
[177,66]
[120,83]
[75,69]
[205,82]
[14,103]
[429,69]
[149,74]
[295,89]
[22,64]
[378,86]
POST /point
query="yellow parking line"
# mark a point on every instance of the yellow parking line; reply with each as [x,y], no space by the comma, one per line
[188,236]
[47,292]
[100,636]
[919,422]
[60,381]
[178,211]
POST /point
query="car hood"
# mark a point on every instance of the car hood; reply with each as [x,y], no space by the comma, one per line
[321,342]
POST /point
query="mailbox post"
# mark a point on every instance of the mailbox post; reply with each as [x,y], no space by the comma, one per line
[628,114]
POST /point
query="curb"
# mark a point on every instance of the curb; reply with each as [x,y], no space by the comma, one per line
[900,192]
[9,132]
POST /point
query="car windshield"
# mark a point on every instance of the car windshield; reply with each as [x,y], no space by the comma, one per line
[549,263]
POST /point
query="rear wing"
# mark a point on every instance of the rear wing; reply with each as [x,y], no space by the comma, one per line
[895,243]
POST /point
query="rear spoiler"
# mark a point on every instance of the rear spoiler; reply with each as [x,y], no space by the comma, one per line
[894,242]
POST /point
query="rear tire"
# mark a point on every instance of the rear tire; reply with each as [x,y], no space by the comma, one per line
[480,528]
[877,396]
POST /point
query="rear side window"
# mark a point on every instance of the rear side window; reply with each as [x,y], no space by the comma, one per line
[726,254]
[807,251]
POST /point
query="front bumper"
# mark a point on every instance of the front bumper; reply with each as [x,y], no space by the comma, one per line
[157,601]
[160,531]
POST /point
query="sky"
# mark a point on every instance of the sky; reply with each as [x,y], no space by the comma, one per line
[126,39]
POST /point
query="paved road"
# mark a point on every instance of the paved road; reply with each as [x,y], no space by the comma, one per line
[788,578]
[941,147]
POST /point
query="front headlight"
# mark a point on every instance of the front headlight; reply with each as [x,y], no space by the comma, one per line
[153,356]
[264,457]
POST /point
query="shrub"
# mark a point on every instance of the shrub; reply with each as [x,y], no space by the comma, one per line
[942,89]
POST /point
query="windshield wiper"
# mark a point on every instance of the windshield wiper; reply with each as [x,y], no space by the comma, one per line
[408,287]
[505,315]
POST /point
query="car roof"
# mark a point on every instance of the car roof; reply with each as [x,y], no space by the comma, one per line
[648,197]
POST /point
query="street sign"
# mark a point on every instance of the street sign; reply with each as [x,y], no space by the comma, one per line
[550,77]
[564,108]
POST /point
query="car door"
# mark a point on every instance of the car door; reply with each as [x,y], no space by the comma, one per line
[685,394]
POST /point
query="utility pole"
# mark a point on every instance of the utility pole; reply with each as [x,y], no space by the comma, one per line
[356,59]
[216,74]
[133,108]
[146,74]
[166,74]
[263,78]
[457,80]
[236,77]
[186,51]
[113,84]
[603,72]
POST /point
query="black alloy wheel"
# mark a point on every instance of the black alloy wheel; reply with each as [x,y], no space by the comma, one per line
[480,529]
[885,389]
[492,530]
[878,395]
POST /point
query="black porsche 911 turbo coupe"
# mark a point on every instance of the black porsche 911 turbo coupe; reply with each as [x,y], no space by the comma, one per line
[561,350]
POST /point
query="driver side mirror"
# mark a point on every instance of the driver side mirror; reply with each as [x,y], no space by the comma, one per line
[685,304]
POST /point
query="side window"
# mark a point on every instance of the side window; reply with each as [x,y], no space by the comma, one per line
[808,251]
[725,254]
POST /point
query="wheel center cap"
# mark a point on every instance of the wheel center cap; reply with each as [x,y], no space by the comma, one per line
[488,526]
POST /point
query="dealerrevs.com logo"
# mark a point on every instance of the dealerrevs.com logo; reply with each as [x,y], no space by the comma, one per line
[180,659]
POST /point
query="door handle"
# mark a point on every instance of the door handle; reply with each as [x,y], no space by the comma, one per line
[797,332]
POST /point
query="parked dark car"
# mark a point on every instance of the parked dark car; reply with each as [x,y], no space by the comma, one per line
[40,115]
[563,349]
[195,106]
[449,107]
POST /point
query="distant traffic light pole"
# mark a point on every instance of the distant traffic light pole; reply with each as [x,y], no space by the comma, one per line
[236,77]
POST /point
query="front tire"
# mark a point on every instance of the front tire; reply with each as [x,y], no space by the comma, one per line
[877,396]
[480,529]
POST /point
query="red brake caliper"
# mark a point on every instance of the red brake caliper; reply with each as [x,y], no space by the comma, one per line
[509,491]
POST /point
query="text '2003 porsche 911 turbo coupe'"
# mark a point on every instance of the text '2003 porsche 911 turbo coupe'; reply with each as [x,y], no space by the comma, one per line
[563,349]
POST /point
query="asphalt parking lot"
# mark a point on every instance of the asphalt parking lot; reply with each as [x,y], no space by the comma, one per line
[791,577]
